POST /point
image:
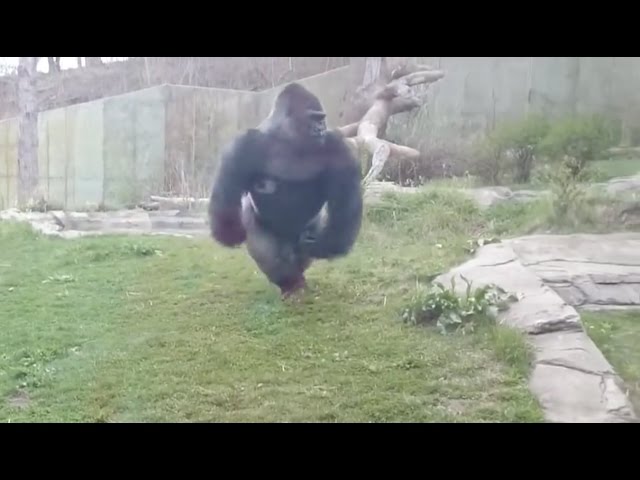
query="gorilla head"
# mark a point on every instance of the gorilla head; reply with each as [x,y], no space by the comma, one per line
[297,117]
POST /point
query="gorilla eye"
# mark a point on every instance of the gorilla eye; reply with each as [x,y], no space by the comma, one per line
[317,116]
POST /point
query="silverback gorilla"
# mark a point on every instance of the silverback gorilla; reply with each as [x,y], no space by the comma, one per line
[273,183]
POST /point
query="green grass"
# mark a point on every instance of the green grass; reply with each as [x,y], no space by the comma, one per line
[617,335]
[157,329]
[602,171]
[616,167]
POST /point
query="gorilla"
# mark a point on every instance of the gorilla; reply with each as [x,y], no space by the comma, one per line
[290,188]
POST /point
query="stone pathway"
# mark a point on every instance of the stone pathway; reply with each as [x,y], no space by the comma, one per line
[553,274]
[129,222]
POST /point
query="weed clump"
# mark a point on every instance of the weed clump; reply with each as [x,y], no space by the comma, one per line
[451,312]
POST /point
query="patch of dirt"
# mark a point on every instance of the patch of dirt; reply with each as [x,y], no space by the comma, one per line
[19,399]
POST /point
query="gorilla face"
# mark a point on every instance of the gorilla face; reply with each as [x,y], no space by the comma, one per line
[316,127]
[298,118]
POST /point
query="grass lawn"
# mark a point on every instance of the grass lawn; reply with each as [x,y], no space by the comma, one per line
[617,335]
[617,167]
[603,170]
[156,329]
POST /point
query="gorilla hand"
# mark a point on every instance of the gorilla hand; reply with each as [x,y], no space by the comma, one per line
[228,229]
[335,236]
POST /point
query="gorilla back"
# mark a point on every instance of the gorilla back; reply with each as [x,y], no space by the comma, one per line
[286,171]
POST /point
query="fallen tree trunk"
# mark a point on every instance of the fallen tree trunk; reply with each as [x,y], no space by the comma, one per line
[385,93]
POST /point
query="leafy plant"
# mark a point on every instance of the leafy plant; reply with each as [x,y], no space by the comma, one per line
[490,161]
[579,138]
[511,146]
[452,312]
[522,140]
[568,192]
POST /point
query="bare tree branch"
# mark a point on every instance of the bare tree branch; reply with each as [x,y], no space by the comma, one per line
[54,64]
[93,61]
[381,95]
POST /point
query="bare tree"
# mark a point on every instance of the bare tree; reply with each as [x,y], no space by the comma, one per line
[93,61]
[384,92]
[28,131]
[54,64]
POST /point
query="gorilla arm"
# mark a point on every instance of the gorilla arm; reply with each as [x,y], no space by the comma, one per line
[232,180]
[344,205]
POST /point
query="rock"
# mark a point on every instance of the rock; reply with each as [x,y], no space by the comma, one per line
[483,197]
[149,206]
[106,221]
[629,213]
[574,382]
[572,396]
[571,378]
[585,269]
[130,222]
[608,308]
[19,399]
[180,203]
[376,190]
[623,151]
[488,197]
[44,223]
[491,196]
[178,223]
[616,186]
[571,350]
[539,309]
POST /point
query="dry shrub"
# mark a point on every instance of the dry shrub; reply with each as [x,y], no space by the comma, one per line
[440,157]
[443,154]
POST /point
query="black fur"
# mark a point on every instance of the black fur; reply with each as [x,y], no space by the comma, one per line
[291,167]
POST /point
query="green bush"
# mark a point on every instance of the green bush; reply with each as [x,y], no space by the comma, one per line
[511,146]
[522,141]
[578,140]
[567,193]
[490,162]
[571,200]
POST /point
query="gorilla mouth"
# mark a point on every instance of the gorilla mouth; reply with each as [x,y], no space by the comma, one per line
[320,134]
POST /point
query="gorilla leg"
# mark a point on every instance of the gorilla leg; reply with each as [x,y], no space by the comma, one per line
[280,260]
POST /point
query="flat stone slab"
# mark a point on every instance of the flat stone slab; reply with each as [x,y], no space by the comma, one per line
[619,185]
[539,309]
[571,378]
[125,222]
[484,197]
[491,196]
[585,270]
[571,364]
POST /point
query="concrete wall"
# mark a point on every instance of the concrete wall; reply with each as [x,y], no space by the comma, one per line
[117,150]
[8,162]
[200,122]
[479,92]
[108,151]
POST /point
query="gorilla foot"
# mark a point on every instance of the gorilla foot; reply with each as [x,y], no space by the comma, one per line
[293,289]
